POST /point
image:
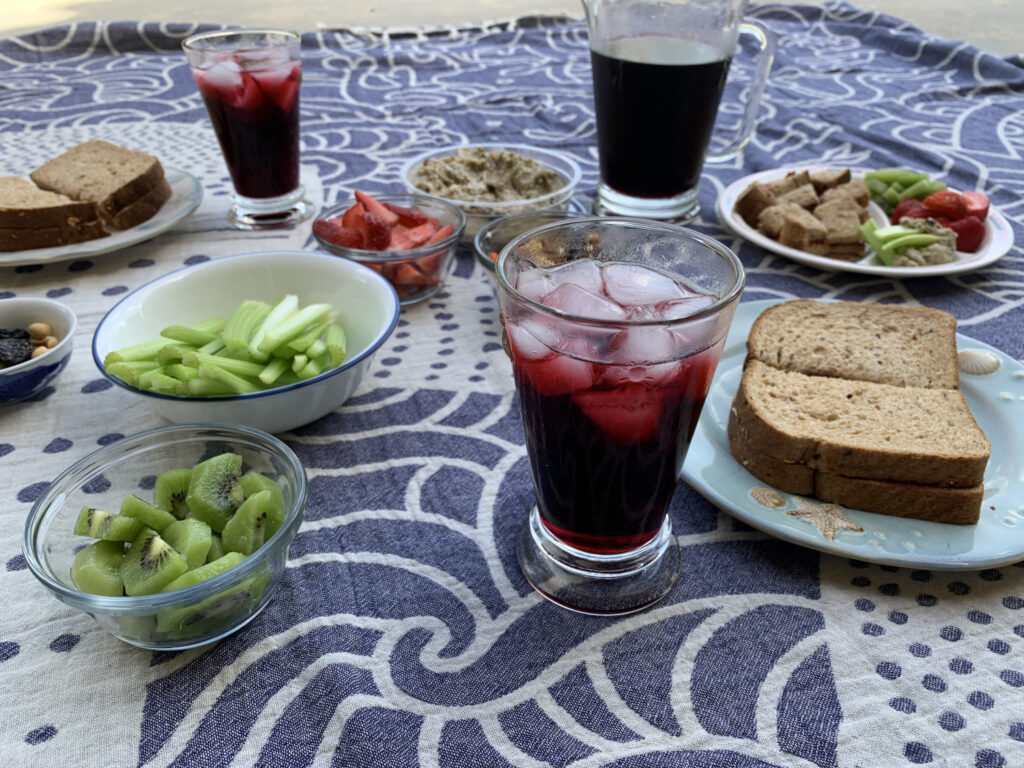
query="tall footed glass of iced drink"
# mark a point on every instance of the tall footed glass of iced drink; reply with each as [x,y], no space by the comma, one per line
[614,328]
[249,80]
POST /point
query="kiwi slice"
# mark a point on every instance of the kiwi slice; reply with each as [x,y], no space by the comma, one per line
[217,550]
[146,513]
[107,526]
[150,564]
[170,491]
[246,530]
[97,568]
[214,491]
[254,482]
[204,572]
[191,538]
[215,614]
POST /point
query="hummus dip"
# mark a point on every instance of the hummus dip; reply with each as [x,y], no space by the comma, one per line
[473,174]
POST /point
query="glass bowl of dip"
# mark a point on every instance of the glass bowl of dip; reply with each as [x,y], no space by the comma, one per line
[491,180]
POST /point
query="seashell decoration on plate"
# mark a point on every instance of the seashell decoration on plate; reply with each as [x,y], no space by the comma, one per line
[977,362]
[767,497]
[828,518]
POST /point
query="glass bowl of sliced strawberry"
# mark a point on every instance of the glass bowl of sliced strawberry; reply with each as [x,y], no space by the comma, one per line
[409,239]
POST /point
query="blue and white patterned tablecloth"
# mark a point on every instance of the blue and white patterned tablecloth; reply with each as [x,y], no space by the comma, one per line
[404,634]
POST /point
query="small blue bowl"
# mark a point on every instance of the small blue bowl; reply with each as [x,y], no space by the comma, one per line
[22,381]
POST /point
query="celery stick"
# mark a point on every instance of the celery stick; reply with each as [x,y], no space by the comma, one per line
[237,367]
[293,326]
[284,309]
[273,370]
[181,372]
[166,385]
[243,323]
[203,387]
[336,343]
[299,362]
[315,367]
[236,383]
[188,335]
[213,347]
[916,240]
[300,343]
[173,353]
[146,379]
[129,372]
[145,351]
[213,325]
[316,349]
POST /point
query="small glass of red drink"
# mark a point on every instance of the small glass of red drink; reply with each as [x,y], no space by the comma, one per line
[249,81]
[614,327]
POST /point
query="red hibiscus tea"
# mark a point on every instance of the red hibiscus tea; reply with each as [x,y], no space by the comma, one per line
[614,344]
[249,81]
[608,415]
[254,109]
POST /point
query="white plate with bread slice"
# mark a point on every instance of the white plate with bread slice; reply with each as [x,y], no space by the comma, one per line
[992,388]
[996,244]
[58,216]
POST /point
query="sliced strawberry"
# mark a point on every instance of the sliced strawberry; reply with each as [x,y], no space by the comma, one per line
[400,241]
[431,265]
[970,231]
[350,218]
[909,208]
[373,206]
[629,415]
[410,217]
[441,234]
[375,230]
[406,273]
[333,231]
[422,233]
[947,203]
[977,204]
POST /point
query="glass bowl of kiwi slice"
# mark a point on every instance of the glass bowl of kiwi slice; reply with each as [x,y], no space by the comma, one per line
[171,538]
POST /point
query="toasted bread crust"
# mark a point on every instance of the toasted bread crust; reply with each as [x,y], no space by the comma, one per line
[24,239]
[144,208]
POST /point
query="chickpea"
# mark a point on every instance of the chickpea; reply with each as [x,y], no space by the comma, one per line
[50,342]
[39,351]
[39,331]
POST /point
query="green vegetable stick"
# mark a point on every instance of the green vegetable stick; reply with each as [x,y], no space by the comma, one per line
[273,370]
[237,367]
[284,309]
[188,335]
[336,343]
[243,323]
[235,383]
[293,326]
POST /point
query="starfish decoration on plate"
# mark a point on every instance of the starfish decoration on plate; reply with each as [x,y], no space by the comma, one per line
[828,518]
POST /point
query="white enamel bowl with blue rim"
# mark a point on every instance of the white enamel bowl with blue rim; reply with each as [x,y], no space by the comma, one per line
[24,380]
[366,305]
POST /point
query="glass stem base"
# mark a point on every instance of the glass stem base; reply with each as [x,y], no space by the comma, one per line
[269,212]
[605,585]
[680,208]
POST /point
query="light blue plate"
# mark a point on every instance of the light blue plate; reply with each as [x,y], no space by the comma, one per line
[995,399]
[186,195]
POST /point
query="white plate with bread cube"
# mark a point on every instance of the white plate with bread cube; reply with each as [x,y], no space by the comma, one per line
[996,244]
[992,384]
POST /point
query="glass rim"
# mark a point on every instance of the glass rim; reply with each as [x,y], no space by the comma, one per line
[708,242]
[288,38]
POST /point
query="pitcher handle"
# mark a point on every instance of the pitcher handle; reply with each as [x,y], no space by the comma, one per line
[766,54]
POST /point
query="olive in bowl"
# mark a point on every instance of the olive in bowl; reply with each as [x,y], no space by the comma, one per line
[36,339]
[123,480]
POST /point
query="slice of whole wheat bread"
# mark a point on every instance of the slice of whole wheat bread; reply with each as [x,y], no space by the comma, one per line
[886,343]
[961,506]
[144,208]
[24,206]
[861,429]
[111,176]
[26,238]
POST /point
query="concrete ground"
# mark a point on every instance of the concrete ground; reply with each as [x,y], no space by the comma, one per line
[993,25]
